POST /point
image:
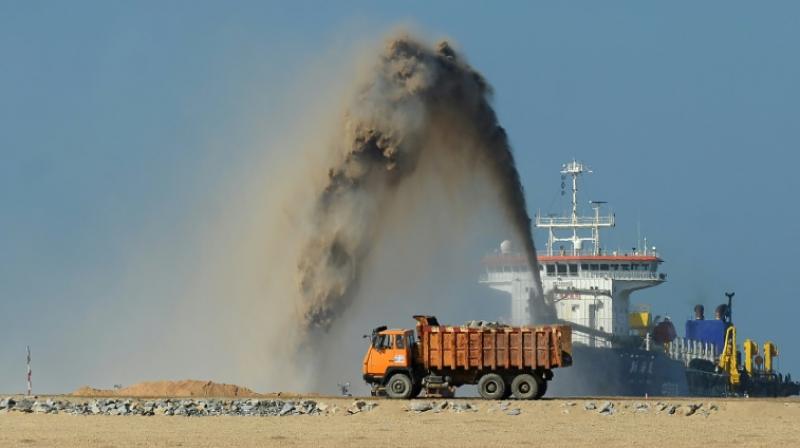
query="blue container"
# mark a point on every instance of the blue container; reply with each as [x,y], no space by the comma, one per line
[712,331]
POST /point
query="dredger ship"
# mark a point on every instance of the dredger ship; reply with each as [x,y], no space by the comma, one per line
[619,350]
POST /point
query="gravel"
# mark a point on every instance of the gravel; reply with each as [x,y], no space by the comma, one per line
[185,407]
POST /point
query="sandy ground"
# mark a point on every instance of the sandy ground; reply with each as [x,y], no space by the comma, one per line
[739,422]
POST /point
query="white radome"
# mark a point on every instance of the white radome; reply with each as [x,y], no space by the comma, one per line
[505,247]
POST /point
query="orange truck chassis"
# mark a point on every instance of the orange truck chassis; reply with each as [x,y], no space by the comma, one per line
[502,361]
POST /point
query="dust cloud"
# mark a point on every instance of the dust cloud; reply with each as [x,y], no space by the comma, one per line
[416,105]
[369,198]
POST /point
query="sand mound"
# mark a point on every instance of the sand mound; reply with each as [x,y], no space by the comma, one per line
[185,388]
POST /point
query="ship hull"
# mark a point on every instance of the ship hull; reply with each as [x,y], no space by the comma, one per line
[620,372]
[627,372]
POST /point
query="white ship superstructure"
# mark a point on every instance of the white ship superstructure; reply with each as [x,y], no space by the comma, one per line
[585,284]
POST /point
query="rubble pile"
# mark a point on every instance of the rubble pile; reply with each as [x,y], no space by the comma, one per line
[184,407]
[484,324]
[418,407]
[659,408]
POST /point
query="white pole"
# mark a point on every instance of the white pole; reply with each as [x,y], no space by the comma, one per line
[29,370]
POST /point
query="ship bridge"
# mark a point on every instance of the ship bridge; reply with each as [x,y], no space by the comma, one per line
[585,284]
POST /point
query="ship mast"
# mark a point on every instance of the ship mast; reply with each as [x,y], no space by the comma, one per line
[575,222]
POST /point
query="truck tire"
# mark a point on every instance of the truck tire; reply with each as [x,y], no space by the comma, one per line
[491,386]
[399,386]
[525,387]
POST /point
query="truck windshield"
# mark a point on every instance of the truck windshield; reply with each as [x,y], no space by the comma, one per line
[382,341]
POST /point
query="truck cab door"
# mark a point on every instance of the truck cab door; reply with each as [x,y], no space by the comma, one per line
[387,352]
[401,353]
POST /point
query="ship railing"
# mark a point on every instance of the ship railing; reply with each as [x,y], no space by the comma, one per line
[622,275]
[685,350]
[580,220]
[616,275]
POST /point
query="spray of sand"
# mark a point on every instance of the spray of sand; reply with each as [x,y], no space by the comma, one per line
[368,206]
[415,104]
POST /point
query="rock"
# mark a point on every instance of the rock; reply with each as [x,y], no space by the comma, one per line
[462,407]
[420,406]
[358,406]
[23,405]
[671,409]
[515,411]
[441,406]
[42,407]
[7,403]
[568,404]
[504,405]
[641,407]
[286,409]
[590,406]
[692,408]
[713,407]
[607,408]
[310,407]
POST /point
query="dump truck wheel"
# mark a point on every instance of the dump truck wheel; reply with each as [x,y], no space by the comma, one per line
[399,386]
[525,387]
[491,386]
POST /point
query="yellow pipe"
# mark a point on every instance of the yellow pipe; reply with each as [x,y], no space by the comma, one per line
[750,350]
[770,351]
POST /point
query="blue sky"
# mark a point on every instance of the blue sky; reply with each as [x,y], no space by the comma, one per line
[116,117]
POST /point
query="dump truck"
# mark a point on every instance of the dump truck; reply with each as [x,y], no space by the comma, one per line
[501,360]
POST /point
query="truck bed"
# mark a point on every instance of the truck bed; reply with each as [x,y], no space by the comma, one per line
[504,348]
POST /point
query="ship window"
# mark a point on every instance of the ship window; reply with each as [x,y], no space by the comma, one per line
[562,268]
[573,269]
[614,267]
[551,270]
[584,267]
[625,267]
[593,267]
[603,267]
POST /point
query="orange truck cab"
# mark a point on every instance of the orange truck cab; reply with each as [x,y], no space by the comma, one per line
[390,351]
[501,360]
